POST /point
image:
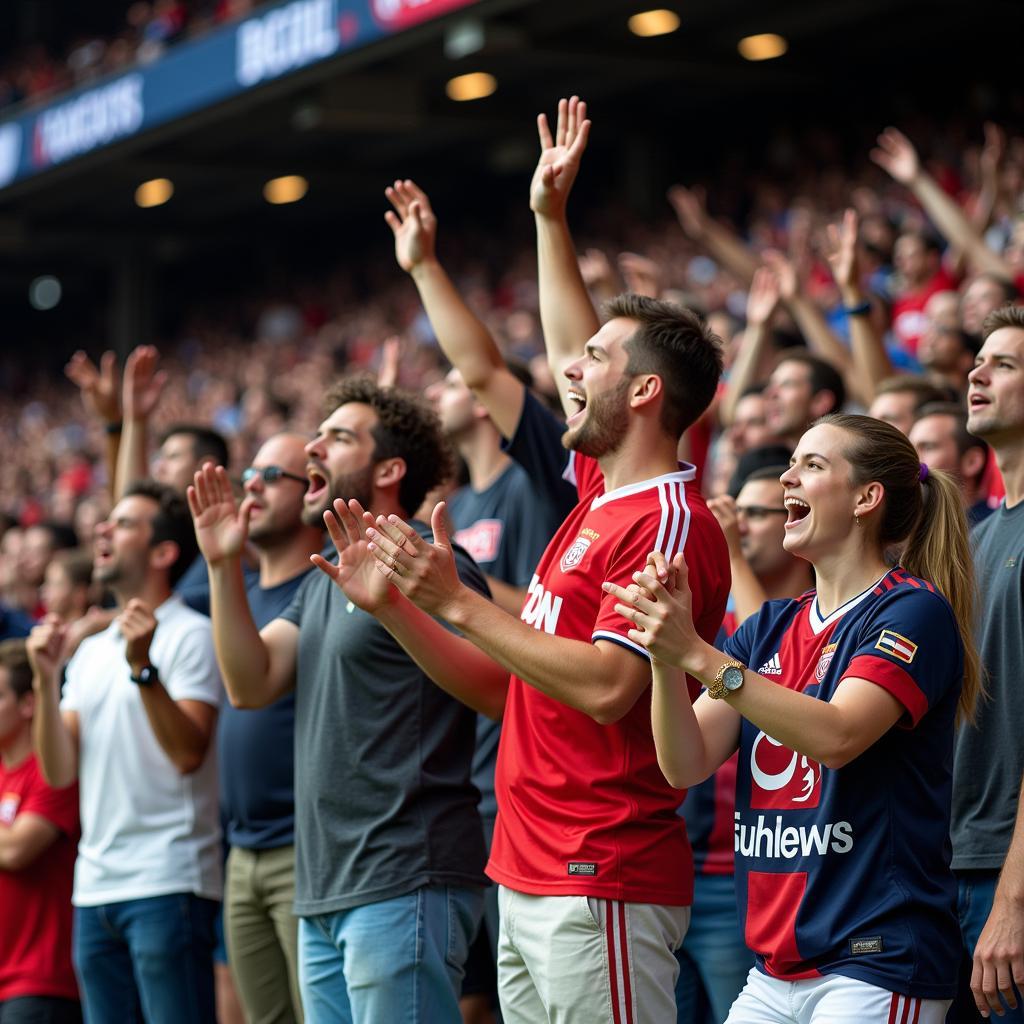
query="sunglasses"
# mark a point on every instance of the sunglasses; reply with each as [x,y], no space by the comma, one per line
[271,475]
[759,511]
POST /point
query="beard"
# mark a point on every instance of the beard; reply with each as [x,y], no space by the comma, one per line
[605,425]
[358,485]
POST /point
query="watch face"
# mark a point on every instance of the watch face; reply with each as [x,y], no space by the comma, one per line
[732,678]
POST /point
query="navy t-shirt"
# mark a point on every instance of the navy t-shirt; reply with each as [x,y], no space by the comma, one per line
[255,750]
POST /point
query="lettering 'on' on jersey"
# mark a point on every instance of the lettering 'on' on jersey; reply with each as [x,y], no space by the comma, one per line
[847,871]
[584,808]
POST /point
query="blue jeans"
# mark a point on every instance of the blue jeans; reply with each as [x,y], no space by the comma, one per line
[713,956]
[399,961]
[976,891]
[148,959]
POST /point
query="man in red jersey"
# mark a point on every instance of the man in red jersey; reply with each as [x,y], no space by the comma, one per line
[38,839]
[595,869]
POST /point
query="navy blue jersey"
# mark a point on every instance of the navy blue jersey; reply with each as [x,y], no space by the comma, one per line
[847,871]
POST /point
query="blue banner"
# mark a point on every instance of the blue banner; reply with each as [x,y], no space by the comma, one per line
[268,45]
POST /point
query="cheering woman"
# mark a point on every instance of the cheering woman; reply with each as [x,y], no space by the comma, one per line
[843,705]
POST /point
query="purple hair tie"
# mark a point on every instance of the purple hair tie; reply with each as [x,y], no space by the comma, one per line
[923,475]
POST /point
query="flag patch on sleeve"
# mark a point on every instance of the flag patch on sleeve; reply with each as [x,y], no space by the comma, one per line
[896,645]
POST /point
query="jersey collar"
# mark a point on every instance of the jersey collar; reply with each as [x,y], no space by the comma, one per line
[685,473]
[819,624]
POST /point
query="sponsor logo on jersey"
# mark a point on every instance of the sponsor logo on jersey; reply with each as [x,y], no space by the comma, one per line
[542,608]
[574,553]
[482,539]
[9,803]
[768,839]
[896,645]
[824,661]
[782,778]
[772,667]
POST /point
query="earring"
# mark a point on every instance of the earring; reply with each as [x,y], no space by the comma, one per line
[856,518]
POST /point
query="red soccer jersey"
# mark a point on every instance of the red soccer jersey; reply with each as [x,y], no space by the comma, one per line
[583,808]
[908,319]
[35,922]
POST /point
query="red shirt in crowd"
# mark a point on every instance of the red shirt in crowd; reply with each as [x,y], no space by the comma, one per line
[35,902]
[908,319]
[584,807]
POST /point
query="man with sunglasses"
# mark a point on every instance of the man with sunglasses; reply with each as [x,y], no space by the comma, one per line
[257,755]
[713,956]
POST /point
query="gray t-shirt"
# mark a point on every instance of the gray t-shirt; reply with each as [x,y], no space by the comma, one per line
[384,802]
[989,758]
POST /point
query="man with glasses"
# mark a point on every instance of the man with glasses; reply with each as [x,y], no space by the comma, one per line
[713,956]
[256,753]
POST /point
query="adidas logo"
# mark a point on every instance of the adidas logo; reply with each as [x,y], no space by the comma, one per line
[771,667]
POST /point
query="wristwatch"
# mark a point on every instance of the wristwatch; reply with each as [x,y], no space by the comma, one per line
[728,679]
[146,677]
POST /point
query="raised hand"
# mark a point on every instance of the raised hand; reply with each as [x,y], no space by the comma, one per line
[143,382]
[413,224]
[662,618]
[424,573]
[897,157]
[842,252]
[100,387]
[763,298]
[560,157]
[137,624]
[724,510]
[641,274]
[785,273]
[222,527]
[691,208]
[390,354]
[44,647]
[355,571]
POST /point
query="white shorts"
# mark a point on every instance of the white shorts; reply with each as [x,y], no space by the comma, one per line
[832,999]
[581,960]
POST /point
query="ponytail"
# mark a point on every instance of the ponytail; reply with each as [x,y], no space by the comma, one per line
[924,511]
[938,550]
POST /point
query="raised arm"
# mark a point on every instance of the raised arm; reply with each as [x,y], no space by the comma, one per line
[762,301]
[463,338]
[871,363]
[257,667]
[54,733]
[720,242]
[897,156]
[143,384]
[100,388]
[567,315]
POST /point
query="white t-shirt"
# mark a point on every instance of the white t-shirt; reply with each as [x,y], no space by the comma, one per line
[147,830]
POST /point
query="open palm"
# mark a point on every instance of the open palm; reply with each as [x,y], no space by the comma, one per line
[221,526]
[413,224]
[560,157]
[355,571]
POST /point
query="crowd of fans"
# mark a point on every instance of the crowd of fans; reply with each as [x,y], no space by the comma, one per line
[37,73]
[867,292]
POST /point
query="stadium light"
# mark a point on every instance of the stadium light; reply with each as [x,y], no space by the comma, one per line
[154,192]
[288,189]
[653,23]
[765,46]
[44,292]
[474,86]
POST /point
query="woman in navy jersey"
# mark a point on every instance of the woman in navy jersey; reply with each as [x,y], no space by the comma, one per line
[843,705]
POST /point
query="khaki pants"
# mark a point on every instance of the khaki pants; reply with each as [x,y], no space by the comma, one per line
[581,960]
[262,933]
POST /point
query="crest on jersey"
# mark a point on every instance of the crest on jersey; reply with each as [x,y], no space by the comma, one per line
[824,661]
[897,645]
[781,778]
[574,554]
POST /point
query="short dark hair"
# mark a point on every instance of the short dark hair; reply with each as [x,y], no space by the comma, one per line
[172,521]
[909,383]
[824,376]
[77,563]
[205,441]
[1006,316]
[964,441]
[765,473]
[407,428]
[14,658]
[928,239]
[677,345]
[62,536]
[1009,289]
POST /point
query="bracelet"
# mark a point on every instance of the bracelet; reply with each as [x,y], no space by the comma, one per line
[860,309]
[113,428]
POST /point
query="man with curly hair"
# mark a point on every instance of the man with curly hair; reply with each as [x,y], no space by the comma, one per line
[389,846]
